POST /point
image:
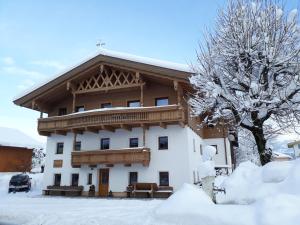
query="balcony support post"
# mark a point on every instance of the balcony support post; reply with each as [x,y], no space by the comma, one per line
[144,136]
[142,95]
[74,140]
[178,89]
[126,127]
[74,102]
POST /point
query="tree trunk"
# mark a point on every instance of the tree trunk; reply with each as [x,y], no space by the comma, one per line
[234,145]
[264,154]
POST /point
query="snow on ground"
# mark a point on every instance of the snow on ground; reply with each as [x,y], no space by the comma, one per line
[268,195]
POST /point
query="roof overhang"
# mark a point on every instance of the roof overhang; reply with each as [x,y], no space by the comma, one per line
[149,66]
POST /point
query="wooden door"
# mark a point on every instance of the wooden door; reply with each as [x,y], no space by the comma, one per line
[103,182]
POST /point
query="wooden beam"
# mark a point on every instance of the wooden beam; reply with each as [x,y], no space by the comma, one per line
[175,83]
[33,104]
[137,75]
[146,163]
[144,136]
[142,94]
[92,129]
[109,165]
[45,133]
[61,132]
[182,124]
[108,128]
[163,125]
[145,126]
[71,86]
[77,131]
[74,102]
[126,127]
[74,141]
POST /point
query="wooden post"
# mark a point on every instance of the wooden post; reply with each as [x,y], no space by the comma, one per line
[144,136]
[74,141]
[142,95]
[74,102]
[179,95]
[41,114]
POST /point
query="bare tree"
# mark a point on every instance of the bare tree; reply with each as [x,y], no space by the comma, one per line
[248,69]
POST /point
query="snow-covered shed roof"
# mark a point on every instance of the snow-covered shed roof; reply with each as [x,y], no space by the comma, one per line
[291,144]
[165,68]
[14,138]
[279,155]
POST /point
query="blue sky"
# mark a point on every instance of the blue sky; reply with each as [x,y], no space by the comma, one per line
[41,38]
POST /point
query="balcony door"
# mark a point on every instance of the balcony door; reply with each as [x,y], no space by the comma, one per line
[103,182]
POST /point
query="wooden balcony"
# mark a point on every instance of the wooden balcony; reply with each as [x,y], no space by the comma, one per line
[111,119]
[111,157]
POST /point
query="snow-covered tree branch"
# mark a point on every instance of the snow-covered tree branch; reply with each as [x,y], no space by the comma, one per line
[248,69]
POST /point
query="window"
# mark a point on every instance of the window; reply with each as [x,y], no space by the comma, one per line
[104,143]
[79,109]
[215,146]
[135,103]
[133,178]
[163,143]
[90,178]
[59,148]
[163,178]
[133,142]
[106,105]
[75,179]
[161,101]
[57,179]
[62,111]
[77,146]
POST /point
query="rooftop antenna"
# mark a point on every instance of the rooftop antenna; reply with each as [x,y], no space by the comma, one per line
[100,44]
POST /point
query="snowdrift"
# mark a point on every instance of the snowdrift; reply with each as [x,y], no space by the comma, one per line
[250,183]
[268,195]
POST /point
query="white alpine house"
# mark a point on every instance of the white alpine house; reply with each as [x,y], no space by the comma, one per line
[116,120]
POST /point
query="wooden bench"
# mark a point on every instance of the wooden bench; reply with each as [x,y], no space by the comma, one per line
[144,188]
[163,192]
[63,190]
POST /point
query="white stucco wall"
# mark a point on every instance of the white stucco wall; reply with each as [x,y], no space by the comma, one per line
[221,158]
[180,160]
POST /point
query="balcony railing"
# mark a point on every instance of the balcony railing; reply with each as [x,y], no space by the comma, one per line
[112,117]
[111,157]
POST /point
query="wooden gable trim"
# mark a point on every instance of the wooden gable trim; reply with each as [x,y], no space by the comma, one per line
[94,62]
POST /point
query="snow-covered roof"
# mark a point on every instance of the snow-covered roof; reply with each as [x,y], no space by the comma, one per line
[146,60]
[291,144]
[15,138]
[120,55]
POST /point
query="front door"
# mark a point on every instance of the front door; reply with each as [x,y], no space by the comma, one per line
[103,182]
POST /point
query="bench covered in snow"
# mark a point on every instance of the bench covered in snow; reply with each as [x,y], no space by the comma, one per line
[63,190]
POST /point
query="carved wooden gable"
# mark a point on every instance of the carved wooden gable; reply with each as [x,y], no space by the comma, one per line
[109,78]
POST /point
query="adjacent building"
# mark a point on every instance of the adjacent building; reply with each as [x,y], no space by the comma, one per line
[16,150]
[117,119]
[295,145]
